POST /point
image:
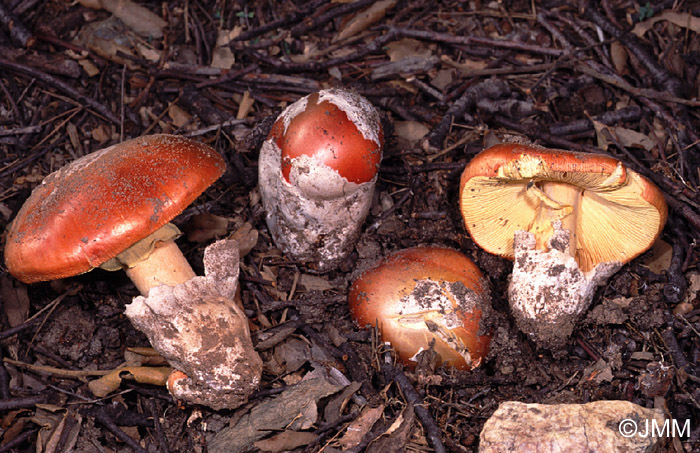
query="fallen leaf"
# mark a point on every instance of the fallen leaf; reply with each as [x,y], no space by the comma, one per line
[397,435]
[660,260]
[597,372]
[138,18]
[205,227]
[364,19]
[684,20]
[443,78]
[100,134]
[143,374]
[179,116]
[315,283]
[286,440]
[361,426]
[410,131]
[245,105]
[222,57]
[633,139]
[15,300]
[619,57]
[247,238]
[404,48]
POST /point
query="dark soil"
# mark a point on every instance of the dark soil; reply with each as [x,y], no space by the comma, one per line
[563,75]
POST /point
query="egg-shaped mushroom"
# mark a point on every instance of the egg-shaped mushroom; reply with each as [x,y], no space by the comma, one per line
[317,172]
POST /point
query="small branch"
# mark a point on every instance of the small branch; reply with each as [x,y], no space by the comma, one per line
[69,374]
[623,85]
[65,88]
[315,66]
[492,89]
[475,41]
[19,34]
[22,403]
[432,431]
[661,76]
[105,420]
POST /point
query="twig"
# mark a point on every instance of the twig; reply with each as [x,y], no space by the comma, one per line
[54,82]
[475,41]
[19,34]
[489,89]
[627,114]
[160,434]
[17,329]
[313,66]
[292,18]
[23,402]
[660,75]
[622,84]
[19,440]
[311,23]
[4,381]
[69,374]
[674,290]
[432,431]
[507,70]
[101,416]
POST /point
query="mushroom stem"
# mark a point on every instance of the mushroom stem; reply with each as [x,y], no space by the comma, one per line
[165,266]
[559,202]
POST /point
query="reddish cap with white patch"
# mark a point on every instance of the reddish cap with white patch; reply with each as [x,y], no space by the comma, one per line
[423,295]
[93,209]
[336,128]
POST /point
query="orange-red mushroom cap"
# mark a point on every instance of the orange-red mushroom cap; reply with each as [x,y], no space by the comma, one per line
[425,295]
[99,205]
[324,130]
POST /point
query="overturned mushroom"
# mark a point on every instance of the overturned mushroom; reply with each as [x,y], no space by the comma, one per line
[425,297]
[568,220]
[317,172]
[111,209]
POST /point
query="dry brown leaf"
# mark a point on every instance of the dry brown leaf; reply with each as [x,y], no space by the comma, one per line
[361,426]
[135,16]
[205,227]
[365,19]
[222,57]
[443,78]
[100,134]
[247,238]
[404,48]
[315,283]
[143,374]
[147,52]
[140,356]
[15,300]
[410,132]
[286,440]
[660,260]
[109,38]
[179,116]
[245,105]
[633,139]
[619,57]
[684,20]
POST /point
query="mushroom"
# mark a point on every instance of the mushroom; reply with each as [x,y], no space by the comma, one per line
[568,220]
[111,209]
[425,297]
[317,172]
